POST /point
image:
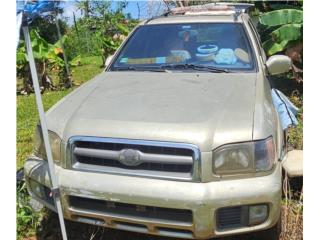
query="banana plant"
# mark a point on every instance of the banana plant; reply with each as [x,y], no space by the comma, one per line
[281,17]
[46,56]
[280,29]
[281,38]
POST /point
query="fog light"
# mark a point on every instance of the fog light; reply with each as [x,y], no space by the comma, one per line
[257,214]
[37,188]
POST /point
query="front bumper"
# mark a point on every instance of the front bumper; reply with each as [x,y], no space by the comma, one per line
[202,199]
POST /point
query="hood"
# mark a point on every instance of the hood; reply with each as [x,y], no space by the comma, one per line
[205,109]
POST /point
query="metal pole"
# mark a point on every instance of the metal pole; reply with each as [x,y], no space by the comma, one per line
[54,180]
[63,52]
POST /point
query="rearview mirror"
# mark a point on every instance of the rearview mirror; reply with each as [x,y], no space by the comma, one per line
[278,64]
[108,60]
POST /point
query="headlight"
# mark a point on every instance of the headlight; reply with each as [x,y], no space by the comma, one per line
[55,143]
[248,157]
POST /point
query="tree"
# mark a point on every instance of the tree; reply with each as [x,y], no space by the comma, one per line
[46,27]
[83,6]
[101,32]
[47,57]
[46,48]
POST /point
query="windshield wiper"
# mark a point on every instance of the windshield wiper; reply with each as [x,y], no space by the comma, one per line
[195,67]
[132,68]
[126,68]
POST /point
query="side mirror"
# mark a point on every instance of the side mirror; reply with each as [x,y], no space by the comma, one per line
[108,60]
[278,64]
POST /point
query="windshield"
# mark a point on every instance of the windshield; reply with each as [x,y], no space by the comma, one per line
[215,45]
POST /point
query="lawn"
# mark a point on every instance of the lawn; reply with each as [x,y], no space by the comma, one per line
[27,113]
[90,67]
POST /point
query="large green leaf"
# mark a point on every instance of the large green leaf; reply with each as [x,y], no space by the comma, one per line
[278,6]
[40,46]
[287,32]
[272,47]
[281,37]
[21,57]
[280,17]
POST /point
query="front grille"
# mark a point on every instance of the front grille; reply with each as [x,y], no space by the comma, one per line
[134,157]
[185,168]
[232,217]
[126,210]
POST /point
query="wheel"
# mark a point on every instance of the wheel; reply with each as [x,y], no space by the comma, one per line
[271,233]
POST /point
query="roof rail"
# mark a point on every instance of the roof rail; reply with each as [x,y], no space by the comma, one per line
[217,8]
[203,9]
[243,7]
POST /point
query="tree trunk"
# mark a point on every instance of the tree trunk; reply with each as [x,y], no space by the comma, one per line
[86,8]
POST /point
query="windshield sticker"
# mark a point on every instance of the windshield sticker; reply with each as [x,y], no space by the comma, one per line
[174,58]
[124,60]
[161,60]
[141,60]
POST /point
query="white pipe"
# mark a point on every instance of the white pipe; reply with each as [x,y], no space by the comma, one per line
[54,180]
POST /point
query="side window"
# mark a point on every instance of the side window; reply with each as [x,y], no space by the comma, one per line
[257,40]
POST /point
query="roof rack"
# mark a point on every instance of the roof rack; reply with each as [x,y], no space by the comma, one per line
[217,8]
[243,7]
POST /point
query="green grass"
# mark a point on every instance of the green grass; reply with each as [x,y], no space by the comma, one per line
[27,119]
[89,67]
[27,113]
[296,133]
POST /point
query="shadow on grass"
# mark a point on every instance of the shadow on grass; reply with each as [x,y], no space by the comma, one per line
[286,85]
